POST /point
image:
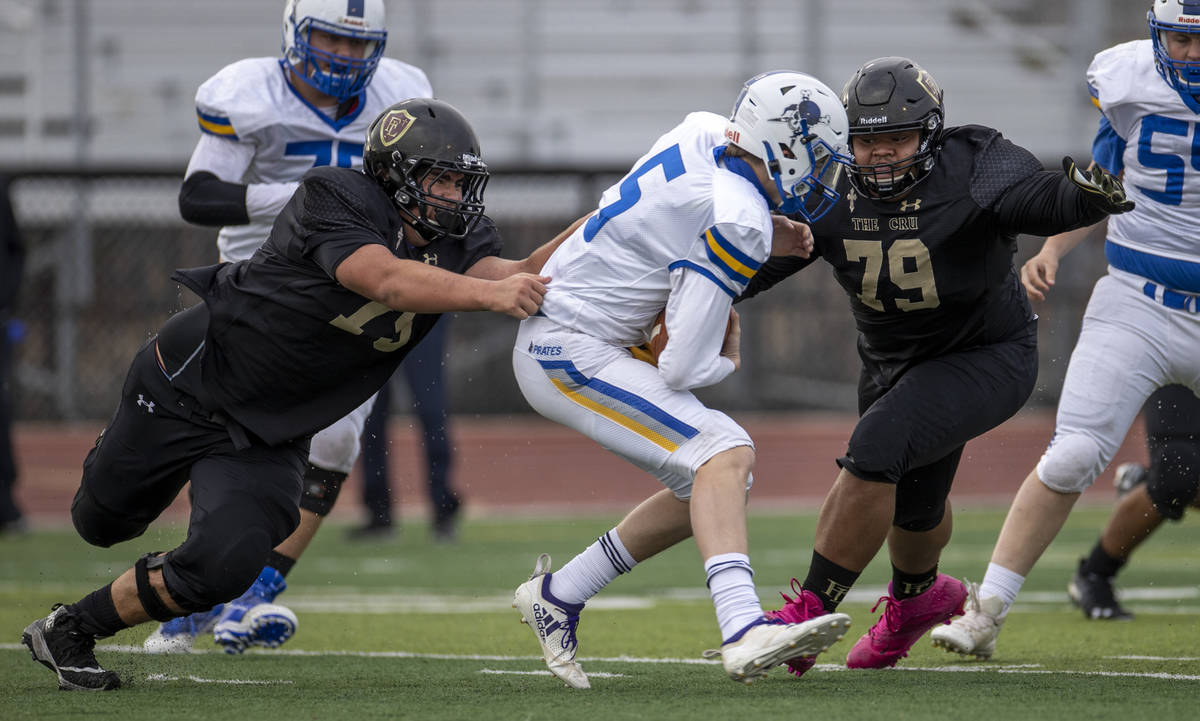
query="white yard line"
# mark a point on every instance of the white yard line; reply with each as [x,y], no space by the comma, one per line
[1027,669]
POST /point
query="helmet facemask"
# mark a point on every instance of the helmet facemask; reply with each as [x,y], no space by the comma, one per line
[338,76]
[411,182]
[890,180]
[1175,16]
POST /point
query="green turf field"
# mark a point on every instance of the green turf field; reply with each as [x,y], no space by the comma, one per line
[408,629]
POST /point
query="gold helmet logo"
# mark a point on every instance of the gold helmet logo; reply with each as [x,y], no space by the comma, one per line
[394,125]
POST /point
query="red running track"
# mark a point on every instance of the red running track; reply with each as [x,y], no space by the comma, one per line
[526,464]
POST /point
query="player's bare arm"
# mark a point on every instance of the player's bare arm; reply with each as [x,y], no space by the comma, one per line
[494,268]
[373,272]
[1039,272]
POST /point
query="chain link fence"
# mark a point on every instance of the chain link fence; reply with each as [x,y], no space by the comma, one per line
[102,245]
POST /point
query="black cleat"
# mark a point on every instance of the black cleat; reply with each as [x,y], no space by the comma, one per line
[1094,594]
[57,643]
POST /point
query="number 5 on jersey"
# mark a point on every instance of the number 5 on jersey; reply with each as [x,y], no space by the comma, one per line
[671,161]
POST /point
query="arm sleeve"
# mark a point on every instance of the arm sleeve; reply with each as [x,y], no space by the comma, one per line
[227,159]
[774,271]
[205,199]
[1046,203]
[697,314]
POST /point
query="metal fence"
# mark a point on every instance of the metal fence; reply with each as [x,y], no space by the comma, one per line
[102,245]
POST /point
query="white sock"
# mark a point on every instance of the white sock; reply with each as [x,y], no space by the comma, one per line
[999,581]
[592,570]
[731,584]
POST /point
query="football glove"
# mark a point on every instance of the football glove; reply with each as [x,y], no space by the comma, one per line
[1103,189]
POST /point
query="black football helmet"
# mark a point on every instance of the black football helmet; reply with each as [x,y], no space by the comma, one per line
[409,147]
[888,95]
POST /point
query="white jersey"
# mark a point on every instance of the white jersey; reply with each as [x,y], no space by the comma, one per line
[1152,133]
[259,131]
[677,227]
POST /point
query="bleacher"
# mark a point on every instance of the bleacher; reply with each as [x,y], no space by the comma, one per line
[546,81]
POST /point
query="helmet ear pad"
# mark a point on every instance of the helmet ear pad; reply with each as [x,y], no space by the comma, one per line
[413,148]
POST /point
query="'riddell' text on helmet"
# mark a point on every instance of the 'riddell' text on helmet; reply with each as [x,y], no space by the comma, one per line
[338,76]
[894,95]
[796,126]
[1175,16]
[415,145]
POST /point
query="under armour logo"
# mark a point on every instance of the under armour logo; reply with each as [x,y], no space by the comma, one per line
[910,205]
[148,405]
[836,591]
[430,258]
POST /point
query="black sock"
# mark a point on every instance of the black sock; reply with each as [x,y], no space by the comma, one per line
[829,581]
[1100,563]
[280,562]
[97,614]
[907,585]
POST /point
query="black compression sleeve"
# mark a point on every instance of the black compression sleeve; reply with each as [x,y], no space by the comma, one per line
[205,199]
[1045,203]
[772,272]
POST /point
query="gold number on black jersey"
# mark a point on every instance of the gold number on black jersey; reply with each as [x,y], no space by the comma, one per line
[910,250]
[354,325]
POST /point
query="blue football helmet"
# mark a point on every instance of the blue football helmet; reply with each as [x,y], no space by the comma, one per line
[1175,16]
[338,76]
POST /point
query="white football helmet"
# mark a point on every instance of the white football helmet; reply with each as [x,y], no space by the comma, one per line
[338,76]
[1177,16]
[797,126]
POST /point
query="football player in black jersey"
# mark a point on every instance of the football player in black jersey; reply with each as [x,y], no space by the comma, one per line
[922,242]
[286,342]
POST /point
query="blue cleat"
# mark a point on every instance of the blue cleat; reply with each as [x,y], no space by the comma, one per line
[253,620]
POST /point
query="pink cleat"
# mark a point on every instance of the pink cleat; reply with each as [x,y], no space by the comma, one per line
[805,606]
[905,621]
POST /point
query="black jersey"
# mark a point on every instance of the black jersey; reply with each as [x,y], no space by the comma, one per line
[288,349]
[932,272]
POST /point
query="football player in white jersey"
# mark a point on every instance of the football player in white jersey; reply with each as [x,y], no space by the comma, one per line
[1141,330]
[684,231]
[266,121]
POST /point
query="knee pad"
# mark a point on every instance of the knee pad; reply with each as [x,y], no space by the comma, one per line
[1174,479]
[1071,463]
[336,447]
[99,526]
[321,489]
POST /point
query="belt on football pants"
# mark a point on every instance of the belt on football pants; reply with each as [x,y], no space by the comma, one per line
[1172,298]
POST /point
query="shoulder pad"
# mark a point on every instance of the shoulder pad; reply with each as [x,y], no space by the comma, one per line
[241,97]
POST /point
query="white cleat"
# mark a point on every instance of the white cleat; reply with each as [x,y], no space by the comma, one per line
[975,632]
[553,622]
[159,642]
[766,645]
